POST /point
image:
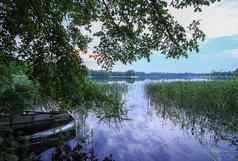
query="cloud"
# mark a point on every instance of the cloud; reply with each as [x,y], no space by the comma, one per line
[234,53]
[219,19]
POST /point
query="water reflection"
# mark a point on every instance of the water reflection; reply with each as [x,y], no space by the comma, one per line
[156,132]
[143,129]
[73,149]
[214,127]
[60,142]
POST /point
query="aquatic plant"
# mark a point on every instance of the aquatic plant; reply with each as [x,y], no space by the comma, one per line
[203,107]
[220,94]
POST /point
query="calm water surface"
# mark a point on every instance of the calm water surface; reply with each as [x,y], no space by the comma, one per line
[151,134]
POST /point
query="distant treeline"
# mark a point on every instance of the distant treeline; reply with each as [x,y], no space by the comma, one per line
[130,74]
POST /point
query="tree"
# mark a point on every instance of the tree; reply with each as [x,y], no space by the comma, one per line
[49,36]
[130,73]
[235,71]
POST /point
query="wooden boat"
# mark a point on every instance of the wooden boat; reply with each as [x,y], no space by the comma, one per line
[31,122]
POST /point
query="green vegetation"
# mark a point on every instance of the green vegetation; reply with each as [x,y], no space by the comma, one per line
[19,93]
[107,107]
[15,148]
[102,74]
[221,94]
[130,73]
[111,74]
[201,106]
[49,36]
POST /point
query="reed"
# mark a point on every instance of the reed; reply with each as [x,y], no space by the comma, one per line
[203,107]
[220,94]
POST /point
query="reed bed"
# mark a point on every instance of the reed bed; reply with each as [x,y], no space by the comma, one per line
[220,94]
[203,107]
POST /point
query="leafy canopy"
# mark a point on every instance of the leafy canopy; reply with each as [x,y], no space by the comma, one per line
[49,36]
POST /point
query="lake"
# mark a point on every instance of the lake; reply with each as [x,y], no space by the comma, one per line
[149,133]
[146,131]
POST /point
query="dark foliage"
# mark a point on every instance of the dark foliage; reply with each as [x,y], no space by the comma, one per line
[48,36]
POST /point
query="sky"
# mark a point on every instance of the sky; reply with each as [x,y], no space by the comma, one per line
[219,51]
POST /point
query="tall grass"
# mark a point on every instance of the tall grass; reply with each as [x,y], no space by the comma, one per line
[203,107]
[220,94]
